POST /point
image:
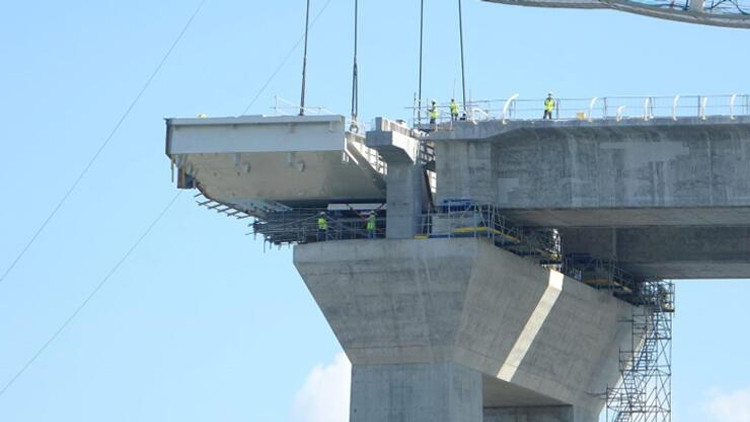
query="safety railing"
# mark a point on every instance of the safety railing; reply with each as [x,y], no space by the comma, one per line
[282,107]
[515,108]
[465,218]
[300,226]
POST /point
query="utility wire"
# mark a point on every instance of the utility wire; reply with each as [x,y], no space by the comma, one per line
[103,145]
[90,296]
[283,62]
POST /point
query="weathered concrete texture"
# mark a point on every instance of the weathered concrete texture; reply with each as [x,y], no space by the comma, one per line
[437,392]
[581,166]
[675,193]
[406,184]
[526,414]
[536,336]
[668,252]
[405,179]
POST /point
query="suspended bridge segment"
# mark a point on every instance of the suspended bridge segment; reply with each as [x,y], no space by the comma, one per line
[726,13]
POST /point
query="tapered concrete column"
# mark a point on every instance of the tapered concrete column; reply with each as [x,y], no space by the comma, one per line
[439,326]
[416,392]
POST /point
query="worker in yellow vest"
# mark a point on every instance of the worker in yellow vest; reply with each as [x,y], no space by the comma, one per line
[454,110]
[433,113]
[322,226]
[371,225]
[549,106]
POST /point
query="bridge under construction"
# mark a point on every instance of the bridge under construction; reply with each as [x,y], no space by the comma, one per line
[518,268]
[484,264]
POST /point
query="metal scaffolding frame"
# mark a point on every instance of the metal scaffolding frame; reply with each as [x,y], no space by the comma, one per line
[644,391]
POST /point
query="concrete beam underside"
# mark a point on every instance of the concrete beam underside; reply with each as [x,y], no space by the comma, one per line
[457,330]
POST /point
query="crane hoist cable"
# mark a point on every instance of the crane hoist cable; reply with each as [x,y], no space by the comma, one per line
[284,60]
[421,33]
[355,93]
[304,61]
[461,40]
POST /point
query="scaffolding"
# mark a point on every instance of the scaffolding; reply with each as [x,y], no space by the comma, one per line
[644,391]
[300,226]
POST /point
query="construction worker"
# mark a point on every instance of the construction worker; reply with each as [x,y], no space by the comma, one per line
[322,226]
[371,225]
[433,113]
[549,106]
[454,110]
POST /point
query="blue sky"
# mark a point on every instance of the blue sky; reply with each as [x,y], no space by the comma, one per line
[200,323]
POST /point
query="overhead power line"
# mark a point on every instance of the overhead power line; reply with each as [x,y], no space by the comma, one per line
[102,146]
[89,297]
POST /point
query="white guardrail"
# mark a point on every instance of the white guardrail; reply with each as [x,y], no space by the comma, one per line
[598,108]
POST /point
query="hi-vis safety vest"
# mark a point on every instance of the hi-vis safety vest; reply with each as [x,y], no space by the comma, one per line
[549,104]
[454,108]
[371,223]
[322,223]
[434,112]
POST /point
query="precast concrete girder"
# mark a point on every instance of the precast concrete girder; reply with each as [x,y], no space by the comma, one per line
[291,160]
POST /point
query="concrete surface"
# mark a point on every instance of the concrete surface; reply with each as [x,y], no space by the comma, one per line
[436,392]
[304,161]
[676,193]
[537,337]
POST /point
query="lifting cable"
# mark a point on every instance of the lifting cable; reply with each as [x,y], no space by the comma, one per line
[96,155]
[283,62]
[461,40]
[304,61]
[355,93]
[421,33]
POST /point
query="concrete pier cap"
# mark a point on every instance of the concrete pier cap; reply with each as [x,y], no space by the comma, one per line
[457,330]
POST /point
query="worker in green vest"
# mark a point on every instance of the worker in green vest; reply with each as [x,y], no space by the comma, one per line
[433,113]
[371,225]
[549,105]
[454,109]
[322,226]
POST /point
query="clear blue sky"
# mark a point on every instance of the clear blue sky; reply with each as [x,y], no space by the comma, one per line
[200,324]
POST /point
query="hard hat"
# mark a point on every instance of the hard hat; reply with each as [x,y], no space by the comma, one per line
[322,213]
[434,102]
[372,212]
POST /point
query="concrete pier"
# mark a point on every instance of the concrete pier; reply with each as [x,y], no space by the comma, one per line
[455,329]
[458,329]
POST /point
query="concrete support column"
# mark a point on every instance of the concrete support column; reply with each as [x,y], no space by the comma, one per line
[416,392]
[404,199]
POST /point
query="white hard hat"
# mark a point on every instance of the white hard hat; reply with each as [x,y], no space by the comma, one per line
[433,101]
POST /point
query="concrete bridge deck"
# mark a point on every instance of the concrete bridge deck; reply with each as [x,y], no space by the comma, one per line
[663,197]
